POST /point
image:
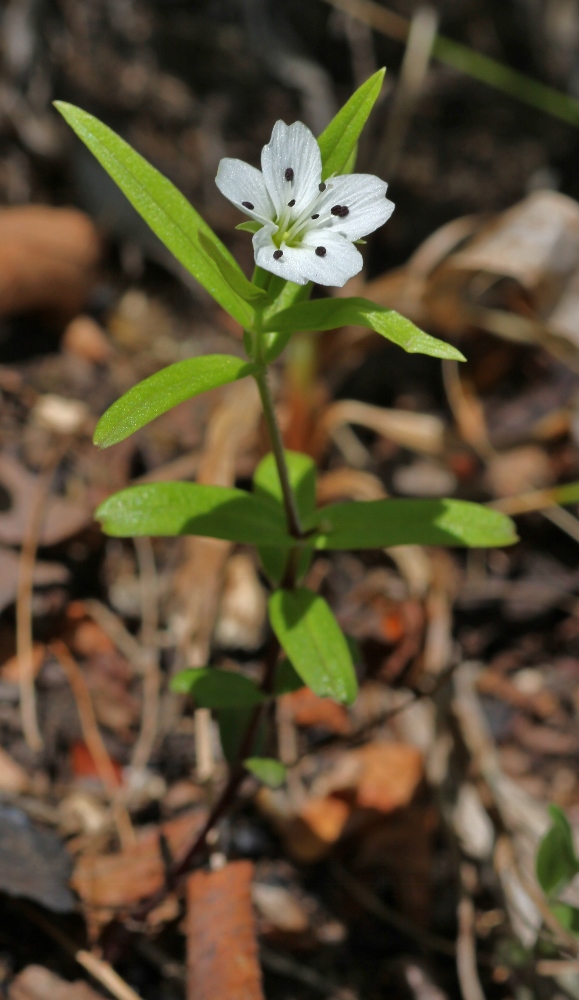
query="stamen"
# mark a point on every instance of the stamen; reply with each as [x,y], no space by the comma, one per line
[321,251]
[247,204]
[278,253]
[344,211]
[291,203]
[336,210]
[316,216]
[289,174]
[322,186]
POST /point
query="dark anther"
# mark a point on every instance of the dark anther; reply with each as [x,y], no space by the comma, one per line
[336,210]
[316,216]
[247,204]
[321,251]
[277,254]
[344,211]
[291,203]
[322,186]
[289,174]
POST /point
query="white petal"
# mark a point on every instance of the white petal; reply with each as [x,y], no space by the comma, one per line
[365,197]
[291,147]
[340,262]
[264,249]
[240,182]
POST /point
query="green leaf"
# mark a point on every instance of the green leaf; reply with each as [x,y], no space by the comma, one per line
[374,524]
[266,484]
[233,723]
[213,688]
[287,678]
[165,389]
[556,861]
[269,771]
[302,475]
[339,138]
[289,295]
[349,168]
[327,314]
[314,642]
[232,274]
[251,226]
[193,509]
[171,217]
[567,915]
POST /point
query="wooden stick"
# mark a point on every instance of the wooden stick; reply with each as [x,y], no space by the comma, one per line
[95,742]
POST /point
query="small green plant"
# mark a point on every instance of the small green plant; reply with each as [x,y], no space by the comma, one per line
[557,865]
[306,211]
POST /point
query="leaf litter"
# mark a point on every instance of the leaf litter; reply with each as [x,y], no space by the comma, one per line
[406,830]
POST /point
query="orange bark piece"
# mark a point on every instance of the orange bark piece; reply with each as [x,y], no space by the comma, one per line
[308,709]
[47,259]
[389,776]
[116,881]
[222,958]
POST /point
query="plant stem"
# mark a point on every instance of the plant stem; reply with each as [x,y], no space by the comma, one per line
[293,518]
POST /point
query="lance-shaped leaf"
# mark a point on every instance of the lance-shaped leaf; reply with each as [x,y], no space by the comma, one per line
[338,140]
[287,296]
[193,509]
[165,389]
[213,688]
[327,314]
[556,863]
[231,272]
[266,484]
[267,770]
[314,642]
[379,523]
[171,217]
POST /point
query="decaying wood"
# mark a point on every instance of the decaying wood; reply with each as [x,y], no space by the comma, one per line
[222,958]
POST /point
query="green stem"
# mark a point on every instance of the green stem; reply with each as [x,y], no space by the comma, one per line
[293,518]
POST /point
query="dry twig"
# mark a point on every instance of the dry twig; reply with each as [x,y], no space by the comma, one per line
[151,674]
[95,742]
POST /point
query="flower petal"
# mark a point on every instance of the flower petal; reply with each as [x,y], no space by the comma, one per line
[340,262]
[292,148]
[364,195]
[264,249]
[240,182]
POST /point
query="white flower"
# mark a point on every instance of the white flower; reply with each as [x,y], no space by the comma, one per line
[308,227]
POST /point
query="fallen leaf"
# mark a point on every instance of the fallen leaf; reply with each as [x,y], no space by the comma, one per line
[308,709]
[390,774]
[116,881]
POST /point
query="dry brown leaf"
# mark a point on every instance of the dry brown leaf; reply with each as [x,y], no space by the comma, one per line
[390,774]
[319,824]
[222,954]
[308,709]
[112,882]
